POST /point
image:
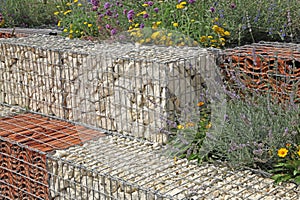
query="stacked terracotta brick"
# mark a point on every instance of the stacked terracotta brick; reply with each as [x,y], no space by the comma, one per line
[25,140]
[273,67]
[10,35]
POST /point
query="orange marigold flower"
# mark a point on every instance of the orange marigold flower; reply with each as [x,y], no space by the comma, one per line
[201,103]
[282,152]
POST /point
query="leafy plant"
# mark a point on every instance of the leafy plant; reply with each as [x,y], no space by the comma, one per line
[76,19]
[254,127]
[287,167]
[189,136]
[28,13]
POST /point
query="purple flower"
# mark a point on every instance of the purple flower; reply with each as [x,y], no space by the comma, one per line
[192,1]
[108,13]
[124,12]
[258,152]
[150,3]
[131,12]
[232,5]
[145,16]
[106,5]
[212,9]
[113,31]
[95,8]
[156,10]
[95,2]
[142,26]
[116,15]
[107,26]
[100,17]
[130,15]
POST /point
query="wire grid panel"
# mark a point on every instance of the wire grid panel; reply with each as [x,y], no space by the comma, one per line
[112,167]
[118,87]
[264,66]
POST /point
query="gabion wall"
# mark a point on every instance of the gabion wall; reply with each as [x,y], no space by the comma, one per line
[68,92]
[118,87]
[264,67]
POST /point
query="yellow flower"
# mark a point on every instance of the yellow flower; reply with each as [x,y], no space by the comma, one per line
[180,127]
[145,5]
[213,41]
[90,25]
[84,22]
[192,20]
[68,4]
[65,30]
[68,11]
[170,43]
[158,23]
[282,152]
[190,124]
[148,40]
[136,25]
[181,5]
[175,24]
[141,13]
[210,37]
[71,31]
[75,1]
[201,103]
[155,35]
[56,13]
[208,125]
[70,36]
[79,5]
[203,38]
[57,6]
[298,152]
[141,41]
[58,23]
[227,33]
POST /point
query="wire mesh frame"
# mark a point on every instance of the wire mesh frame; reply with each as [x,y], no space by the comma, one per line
[81,183]
[264,67]
[61,84]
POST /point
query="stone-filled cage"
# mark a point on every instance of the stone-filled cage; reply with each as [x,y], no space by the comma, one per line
[60,99]
[87,121]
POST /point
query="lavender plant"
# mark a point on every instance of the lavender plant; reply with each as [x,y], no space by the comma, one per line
[253,131]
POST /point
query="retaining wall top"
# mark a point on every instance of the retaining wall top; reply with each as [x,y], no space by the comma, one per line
[127,49]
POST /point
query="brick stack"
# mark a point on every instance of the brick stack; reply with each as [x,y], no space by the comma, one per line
[25,140]
[273,67]
[23,173]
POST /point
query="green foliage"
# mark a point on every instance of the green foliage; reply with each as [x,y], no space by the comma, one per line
[253,130]
[189,136]
[287,165]
[76,19]
[28,13]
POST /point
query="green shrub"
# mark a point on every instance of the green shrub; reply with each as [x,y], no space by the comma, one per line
[28,13]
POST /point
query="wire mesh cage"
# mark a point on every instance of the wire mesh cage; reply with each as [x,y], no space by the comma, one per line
[86,121]
[265,66]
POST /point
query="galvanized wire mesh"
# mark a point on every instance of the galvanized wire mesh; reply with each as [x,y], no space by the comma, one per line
[264,67]
[52,143]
